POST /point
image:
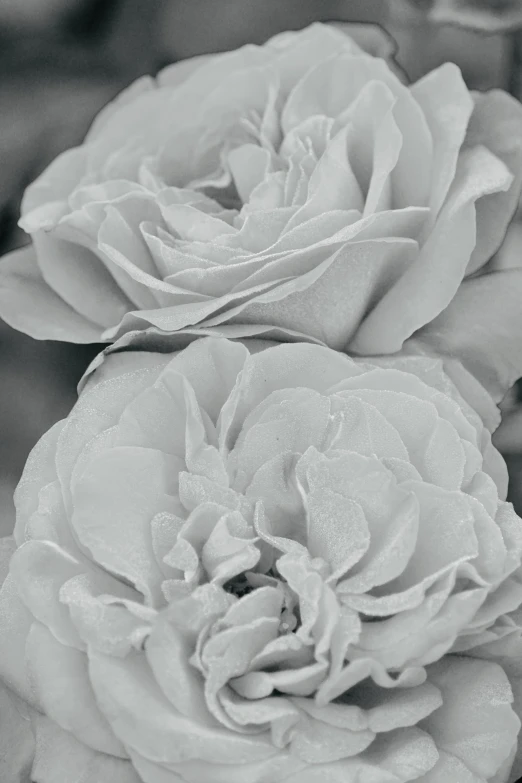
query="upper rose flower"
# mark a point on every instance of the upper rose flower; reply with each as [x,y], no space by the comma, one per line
[258,566]
[299,186]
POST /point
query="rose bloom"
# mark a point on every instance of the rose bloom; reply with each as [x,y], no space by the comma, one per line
[264,564]
[295,188]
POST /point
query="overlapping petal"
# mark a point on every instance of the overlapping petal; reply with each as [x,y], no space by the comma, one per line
[252,562]
[298,186]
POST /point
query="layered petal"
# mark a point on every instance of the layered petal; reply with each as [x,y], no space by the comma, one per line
[262,192]
[249,561]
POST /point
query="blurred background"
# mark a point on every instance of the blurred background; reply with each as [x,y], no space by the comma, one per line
[62,60]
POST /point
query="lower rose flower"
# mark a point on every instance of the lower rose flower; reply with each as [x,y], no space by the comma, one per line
[264,564]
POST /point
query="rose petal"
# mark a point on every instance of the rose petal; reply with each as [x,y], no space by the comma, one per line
[480,327]
[114,623]
[374,265]
[441,263]
[39,568]
[396,756]
[168,654]
[285,366]
[115,475]
[17,744]
[496,123]
[72,271]
[39,471]
[59,756]
[15,622]
[145,721]
[31,306]
[211,368]
[476,728]
[317,742]
[60,678]
[447,105]
[275,768]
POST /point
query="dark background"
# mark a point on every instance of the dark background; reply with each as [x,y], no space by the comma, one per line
[62,60]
